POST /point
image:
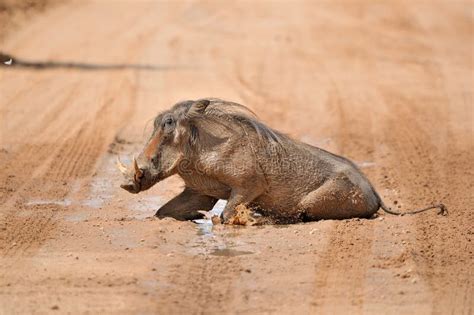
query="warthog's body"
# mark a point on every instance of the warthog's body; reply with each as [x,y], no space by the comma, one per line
[222,151]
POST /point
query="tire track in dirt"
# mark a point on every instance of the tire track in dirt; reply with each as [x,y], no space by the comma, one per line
[201,280]
[340,273]
[30,233]
[415,162]
[272,107]
[56,98]
[414,128]
[392,272]
[73,157]
[24,235]
[350,241]
[207,281]
[12,174]
[445,257]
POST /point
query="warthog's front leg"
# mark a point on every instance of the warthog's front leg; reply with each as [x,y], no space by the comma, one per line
[239,197]
[185,206]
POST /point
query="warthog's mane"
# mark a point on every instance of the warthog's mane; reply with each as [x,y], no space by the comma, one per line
[223,117]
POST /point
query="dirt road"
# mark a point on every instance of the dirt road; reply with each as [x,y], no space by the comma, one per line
[388,85]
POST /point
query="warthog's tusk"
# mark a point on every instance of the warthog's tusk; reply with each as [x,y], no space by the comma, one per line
[138,171]
[121,166]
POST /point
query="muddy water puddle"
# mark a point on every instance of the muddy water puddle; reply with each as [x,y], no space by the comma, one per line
[218,240]
[205,226]
[102,188]
[101,191]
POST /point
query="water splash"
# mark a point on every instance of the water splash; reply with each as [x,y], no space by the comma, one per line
[205,225]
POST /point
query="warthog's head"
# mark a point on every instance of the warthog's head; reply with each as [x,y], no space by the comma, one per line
[173,132]
[184,132]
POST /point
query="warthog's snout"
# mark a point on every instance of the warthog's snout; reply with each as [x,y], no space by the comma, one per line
[135,176]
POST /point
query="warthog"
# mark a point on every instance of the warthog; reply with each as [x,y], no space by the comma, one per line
[222,151]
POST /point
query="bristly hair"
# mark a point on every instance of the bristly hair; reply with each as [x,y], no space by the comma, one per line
[222,113]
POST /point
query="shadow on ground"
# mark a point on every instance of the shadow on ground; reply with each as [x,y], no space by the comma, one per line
[10,61]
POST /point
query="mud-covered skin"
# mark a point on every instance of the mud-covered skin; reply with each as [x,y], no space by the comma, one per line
[222,151]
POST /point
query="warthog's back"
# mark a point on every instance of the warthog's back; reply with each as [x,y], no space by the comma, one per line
[296,169]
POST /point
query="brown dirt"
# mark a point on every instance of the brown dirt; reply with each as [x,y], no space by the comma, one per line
[389,85]
[15,12]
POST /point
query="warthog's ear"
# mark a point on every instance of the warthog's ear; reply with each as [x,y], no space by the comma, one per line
[198,107]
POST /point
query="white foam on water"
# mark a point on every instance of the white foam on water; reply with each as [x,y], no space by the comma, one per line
[219,207]
[205,225]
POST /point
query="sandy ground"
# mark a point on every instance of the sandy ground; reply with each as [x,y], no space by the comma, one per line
[389,85]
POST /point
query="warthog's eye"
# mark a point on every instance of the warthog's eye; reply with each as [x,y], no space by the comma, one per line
[168,124]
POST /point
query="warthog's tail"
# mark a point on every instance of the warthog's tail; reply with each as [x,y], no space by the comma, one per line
[442,209]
